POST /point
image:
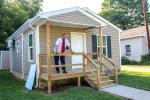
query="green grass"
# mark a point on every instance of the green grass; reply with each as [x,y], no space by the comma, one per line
[12,89]
[137,79]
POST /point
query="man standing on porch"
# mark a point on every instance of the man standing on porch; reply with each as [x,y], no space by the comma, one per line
[61,45]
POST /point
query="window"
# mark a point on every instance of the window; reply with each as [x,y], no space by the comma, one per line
[104,45]
[30,46]
[128,49]
[17,46]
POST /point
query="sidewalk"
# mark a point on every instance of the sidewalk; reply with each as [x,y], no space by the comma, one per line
[128,92]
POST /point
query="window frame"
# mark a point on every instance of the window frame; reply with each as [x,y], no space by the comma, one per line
[98,45]
[29,48]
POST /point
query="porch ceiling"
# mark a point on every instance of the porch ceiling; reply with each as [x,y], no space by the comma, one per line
[71,24]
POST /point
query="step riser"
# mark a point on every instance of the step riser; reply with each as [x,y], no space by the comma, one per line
[106,84]
[102,75]
[95,80]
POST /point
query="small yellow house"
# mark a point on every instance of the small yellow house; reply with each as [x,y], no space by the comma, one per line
[94,40]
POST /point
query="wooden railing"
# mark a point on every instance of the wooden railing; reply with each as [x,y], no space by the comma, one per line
[96,67]
[86,58]
[114,71]
[44,56]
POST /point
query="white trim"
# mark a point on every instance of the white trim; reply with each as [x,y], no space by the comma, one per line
[22,49]
[17,37]
[120,50]
[103,45]
[30,47]
[37,54]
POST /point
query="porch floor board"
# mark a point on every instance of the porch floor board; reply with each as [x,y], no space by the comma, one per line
[60,76]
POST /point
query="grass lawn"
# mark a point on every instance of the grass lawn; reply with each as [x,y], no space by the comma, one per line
[135,76]
[12,89]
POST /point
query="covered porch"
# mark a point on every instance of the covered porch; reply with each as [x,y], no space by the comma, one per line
[79,27]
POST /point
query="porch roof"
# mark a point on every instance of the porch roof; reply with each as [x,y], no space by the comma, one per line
[70,17]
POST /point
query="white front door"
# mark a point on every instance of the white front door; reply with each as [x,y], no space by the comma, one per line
[78,46]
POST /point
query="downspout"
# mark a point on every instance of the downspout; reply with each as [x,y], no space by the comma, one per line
[22,57]
[37,76]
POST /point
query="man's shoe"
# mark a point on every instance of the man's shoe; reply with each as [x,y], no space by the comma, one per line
[64,71]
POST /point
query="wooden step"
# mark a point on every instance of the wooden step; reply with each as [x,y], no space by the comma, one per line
[111,85]
[103,78]
[106,83]
[91,75]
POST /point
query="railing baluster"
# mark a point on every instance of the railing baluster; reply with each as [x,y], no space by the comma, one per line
[83,57]
[98,77]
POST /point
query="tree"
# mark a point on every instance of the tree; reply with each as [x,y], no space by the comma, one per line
[13,14]
[3,34]
[125,14]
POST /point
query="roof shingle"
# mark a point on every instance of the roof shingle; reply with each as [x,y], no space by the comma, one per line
[134,32]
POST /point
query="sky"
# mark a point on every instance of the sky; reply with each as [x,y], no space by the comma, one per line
[50,5]
[94,5]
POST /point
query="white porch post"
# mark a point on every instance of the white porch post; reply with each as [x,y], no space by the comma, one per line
[37,54]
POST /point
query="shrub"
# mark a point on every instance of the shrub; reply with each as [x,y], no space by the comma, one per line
[145,60]
[125,60]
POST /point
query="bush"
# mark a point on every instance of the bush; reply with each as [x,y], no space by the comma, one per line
[125,60]
[145,60]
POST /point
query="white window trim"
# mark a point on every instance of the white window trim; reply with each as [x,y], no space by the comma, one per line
[30,47]
[18,46]
[103,45]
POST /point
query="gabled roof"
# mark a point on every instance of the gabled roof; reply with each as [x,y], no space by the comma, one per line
[134,32]
[43,17]
[104,20]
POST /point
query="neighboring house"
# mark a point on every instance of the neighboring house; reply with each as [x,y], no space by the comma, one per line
[134,43]
[40,33]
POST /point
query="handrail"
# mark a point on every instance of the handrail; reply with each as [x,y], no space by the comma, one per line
[109,60]
[97,69]
[89,59]
[63,54]
[115,67]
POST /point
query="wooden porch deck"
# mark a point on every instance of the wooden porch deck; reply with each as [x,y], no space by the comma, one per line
[60,76]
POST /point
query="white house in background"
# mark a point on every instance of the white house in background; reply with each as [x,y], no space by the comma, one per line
[134,43]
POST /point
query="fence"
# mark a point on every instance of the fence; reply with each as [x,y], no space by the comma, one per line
[4,60]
